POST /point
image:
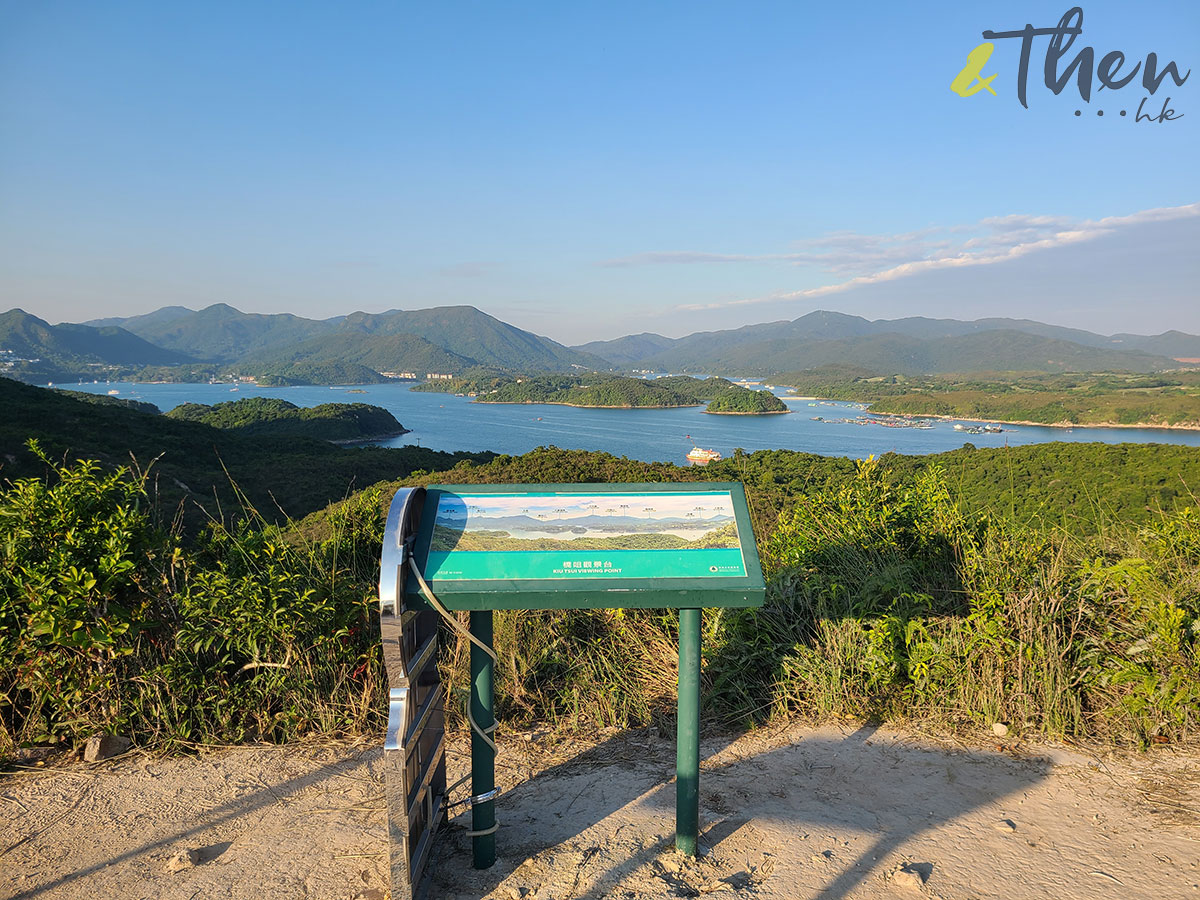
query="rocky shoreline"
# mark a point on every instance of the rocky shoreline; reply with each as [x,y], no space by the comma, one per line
[370,439]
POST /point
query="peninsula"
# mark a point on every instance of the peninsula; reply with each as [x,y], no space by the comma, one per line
[1072,400]
[604,391]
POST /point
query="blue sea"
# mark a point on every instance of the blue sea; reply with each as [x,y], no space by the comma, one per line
[446,422]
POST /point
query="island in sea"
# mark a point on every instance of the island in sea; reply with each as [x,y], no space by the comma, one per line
[597,390]
[339,423]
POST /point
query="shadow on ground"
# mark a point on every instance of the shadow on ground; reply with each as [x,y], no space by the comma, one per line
[822,814]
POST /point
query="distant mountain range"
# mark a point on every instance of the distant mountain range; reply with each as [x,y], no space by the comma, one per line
[450,340]
[910,346]
[450,337]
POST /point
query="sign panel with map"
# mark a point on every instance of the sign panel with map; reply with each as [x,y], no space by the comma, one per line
[568,536]
[563,546]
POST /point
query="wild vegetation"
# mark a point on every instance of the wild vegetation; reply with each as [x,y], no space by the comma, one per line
[109,623]
[1165,399]
[887,602]
[950,591]
[271,415]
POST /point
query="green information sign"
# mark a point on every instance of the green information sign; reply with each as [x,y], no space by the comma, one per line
[562,536]
[480,548]
[562,545]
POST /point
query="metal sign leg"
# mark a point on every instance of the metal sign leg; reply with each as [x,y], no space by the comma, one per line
[483,758]
[687,746]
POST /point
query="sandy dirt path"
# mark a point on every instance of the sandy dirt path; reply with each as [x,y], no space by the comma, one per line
[790,813]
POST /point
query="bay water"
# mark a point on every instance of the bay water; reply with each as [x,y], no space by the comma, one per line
[446,422]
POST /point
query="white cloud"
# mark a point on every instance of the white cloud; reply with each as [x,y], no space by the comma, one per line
[873,259]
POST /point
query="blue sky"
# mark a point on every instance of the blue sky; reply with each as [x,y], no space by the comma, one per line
[587,170]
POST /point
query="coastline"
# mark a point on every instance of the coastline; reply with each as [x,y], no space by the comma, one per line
[577,405]
[776,412]
[1136,425]
[729,412]
[343,442]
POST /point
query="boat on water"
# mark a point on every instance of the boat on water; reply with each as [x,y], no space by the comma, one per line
[113,392]
[699,456]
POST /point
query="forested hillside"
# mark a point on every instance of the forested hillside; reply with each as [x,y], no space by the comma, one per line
[371,354]
[270,415]
[193,465]
[34,350]
[610,391]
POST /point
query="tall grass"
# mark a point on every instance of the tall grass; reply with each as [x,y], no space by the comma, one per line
[885,602]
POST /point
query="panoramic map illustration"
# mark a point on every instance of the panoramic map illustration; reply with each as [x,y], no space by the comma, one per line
[634,535]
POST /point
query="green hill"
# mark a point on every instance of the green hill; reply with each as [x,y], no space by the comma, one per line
[270,415]
[629,350]
[104,400]
[131,323]
[315,372]
[456,336]
[220,333]
[377,353]
[598,389]
[474,335]
[193,462]
[744,402]
[32,349]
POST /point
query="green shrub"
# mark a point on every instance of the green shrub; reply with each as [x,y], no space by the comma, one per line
[112,625]
[82,583]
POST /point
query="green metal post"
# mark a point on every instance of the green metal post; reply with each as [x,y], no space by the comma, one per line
[483,759]
[687,746]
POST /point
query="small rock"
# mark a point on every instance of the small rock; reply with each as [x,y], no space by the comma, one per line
[184,859]
[103,746]
[1005,825]
[908,878]
[370,894]
[999,729]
